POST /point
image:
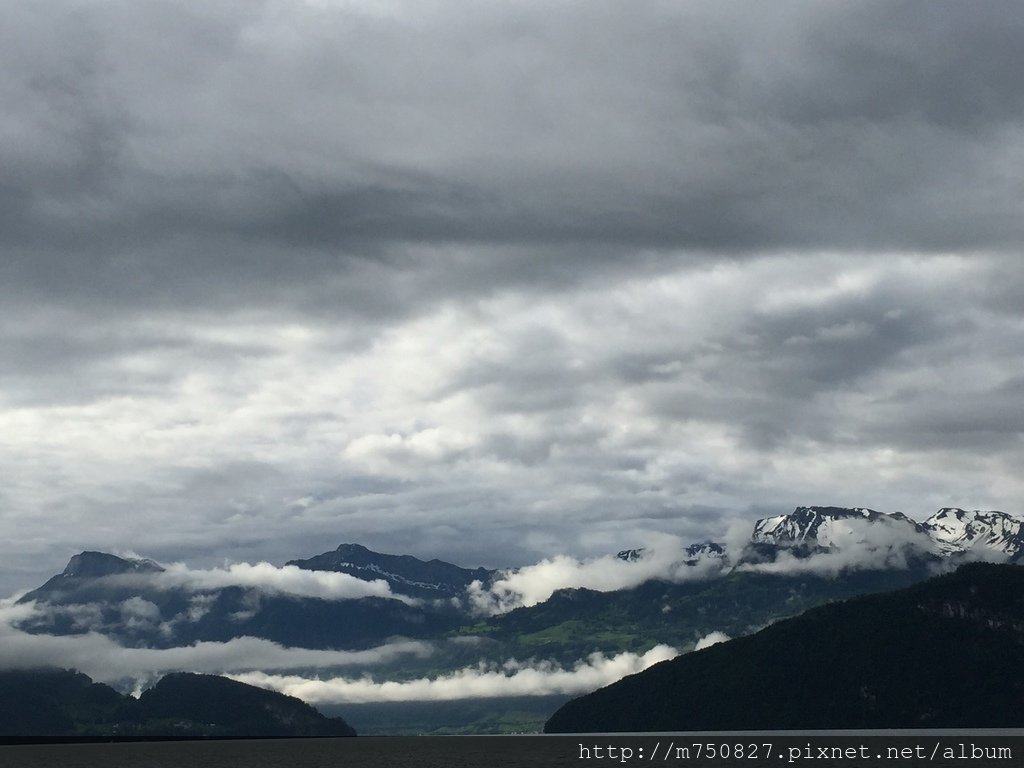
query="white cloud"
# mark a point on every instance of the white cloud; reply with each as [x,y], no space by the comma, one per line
[711,638]
[533,584]
[287,579]
[137,613]
[860,545]
[513,678]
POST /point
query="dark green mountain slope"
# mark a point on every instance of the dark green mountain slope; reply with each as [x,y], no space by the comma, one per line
[576,622]
[229,708]
[947,653]
[57,703]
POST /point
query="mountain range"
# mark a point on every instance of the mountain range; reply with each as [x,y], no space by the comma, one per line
[792,562]
[807,531]
[789,564]
[950,531]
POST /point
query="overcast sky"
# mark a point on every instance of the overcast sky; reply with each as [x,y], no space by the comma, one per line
[494,281]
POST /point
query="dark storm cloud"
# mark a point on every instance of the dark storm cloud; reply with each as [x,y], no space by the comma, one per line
[465,280]
[948,66]
[329,127]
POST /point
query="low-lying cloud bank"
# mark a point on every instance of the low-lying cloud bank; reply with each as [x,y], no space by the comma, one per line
[513,678]
[533,584]
[285,579]
[262,576]
[105,660]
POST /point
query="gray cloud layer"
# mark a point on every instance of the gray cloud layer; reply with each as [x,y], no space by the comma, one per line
[324,124]
[497,283]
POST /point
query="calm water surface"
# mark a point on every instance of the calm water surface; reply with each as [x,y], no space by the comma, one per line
[532,751]
[378,752]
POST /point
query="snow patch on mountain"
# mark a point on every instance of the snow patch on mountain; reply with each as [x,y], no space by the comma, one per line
[980,533]
[830,527]
[950,531]
[811,540]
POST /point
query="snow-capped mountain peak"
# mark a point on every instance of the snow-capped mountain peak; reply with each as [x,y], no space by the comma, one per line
[827,527]
[957,530]
[705,550]
[950,531]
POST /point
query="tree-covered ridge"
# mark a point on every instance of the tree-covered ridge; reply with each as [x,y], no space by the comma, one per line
[577,622]
[946,653]
[55,703]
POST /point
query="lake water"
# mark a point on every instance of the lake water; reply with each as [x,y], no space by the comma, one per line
[583,751]
[378,752]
